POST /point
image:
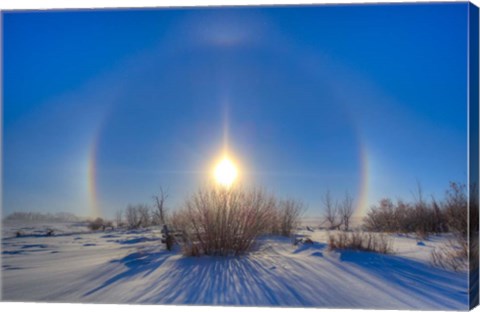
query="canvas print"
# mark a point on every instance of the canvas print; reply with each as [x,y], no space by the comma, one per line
[291,156]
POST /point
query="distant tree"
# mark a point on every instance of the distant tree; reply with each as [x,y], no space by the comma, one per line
[144,214]
[346,211]
[439,219]
[159,214]
[119,218]
[290,212]
[137,216]
[132,217]
[456,209]
[331,214]
[96,224]
[38,216]
[381,218]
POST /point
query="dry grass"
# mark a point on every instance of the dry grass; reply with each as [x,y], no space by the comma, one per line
[453,255]
[360,241]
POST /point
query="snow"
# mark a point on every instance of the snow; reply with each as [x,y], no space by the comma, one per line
[134,267]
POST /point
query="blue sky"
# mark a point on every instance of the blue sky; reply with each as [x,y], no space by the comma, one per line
[101,108]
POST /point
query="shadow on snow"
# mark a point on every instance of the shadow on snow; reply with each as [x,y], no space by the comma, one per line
[265,279]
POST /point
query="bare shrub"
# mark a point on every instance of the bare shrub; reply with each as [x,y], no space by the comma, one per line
[456,209]
[346,211]
[119,219]
[289,213]
[360,241]
[275,224]
[96,224]
[131,217]
[137,216]
[144,215]
[108,225]
[461,217]
[439,217]
[404,218]
[381,218]
[331,213]
[452,255]
[159,214]
[219,221]
[473,255]
[420,216]
[473,232]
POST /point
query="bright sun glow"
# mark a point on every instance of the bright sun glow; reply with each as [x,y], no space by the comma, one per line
[225,172]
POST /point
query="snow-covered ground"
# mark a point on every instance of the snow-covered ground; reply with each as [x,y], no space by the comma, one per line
[133,267]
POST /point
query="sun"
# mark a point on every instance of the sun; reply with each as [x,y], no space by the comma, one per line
[226,172]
